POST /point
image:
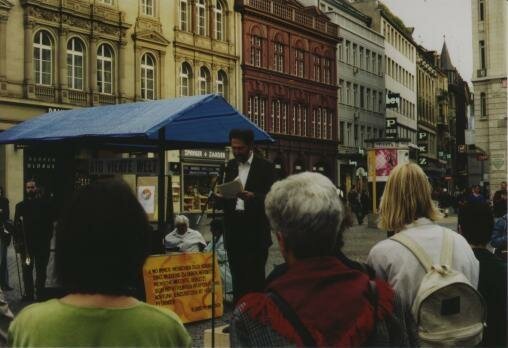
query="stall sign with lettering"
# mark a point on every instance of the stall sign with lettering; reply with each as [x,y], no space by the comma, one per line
[203,153]
[139,166]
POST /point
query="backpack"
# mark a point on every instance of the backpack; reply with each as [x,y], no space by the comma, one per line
[447,309]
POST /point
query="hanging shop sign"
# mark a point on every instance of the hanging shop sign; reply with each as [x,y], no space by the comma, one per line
[137,166]
[391,127]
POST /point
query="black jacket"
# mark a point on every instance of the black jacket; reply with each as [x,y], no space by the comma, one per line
[256,229]
[492,286]
[37,220]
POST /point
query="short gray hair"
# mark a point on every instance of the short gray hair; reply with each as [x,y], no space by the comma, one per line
[181,220]
[307,211]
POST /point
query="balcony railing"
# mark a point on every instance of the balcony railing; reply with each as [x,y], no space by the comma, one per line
[293,14]
[107,99]
[47,92]
[78,97]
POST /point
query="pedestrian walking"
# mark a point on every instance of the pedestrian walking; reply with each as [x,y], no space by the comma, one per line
[355,204]
[317,301]
[101,246]
[475,224]
[5,241]
[476,195]
[499,201]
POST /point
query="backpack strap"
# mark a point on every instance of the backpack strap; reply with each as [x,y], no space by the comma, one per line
[415,248]
[447,248]
[292,317]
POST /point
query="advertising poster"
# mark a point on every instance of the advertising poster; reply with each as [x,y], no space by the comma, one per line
[182,282]
[146,197]
[386,160]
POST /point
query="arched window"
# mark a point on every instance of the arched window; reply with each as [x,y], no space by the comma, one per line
[204,81]
[255,50]
[105,69]
[148,77]
[185,80]
[43,58]
[222,84]
[278,55]
[184,15]
[201,20]
[75,56]
[220,21]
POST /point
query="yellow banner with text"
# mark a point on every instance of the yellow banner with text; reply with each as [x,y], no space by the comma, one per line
[182,282]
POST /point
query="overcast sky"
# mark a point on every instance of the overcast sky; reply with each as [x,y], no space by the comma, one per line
[434,18]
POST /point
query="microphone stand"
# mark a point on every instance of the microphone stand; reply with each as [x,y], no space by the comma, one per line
[203,210]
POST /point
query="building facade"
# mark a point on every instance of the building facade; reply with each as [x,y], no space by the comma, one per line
[361,98]
[289,77]
[400,67]
[490,42]
[459,101]
[61,54]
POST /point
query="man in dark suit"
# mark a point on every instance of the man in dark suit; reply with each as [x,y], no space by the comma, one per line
[247,231]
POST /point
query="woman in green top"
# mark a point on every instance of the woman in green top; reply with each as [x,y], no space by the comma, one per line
[101,245]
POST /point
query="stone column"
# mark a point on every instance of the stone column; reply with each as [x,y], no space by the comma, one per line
[162,94]
[28,61]
[62,66]
[122,83]
[94,97]
[3,54]
[211,21]
[137,73]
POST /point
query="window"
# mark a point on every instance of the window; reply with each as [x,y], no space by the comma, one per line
[219,21]
[327,71]
[482,54]
[373,59]
[43,58]
[362,97]
[201,17]
[204,81]
[255,50]
[483,105]
[318,123]
[300,63]
[348,46]
[105,69]
[380,102]
[256,110]
[361,57]
[367,104]
[379,65]
[317,68]
[222,84]
[148,77]
[354,55]
[324,124]
[147,7]
[348,93]
[374,101]
[107,2]
[341,133]
[185,80]
[481,10]
[278,56]
[276,116]
[367,60]
[340,52]
[341,86]
[75,64]
[184,15]
[355,94]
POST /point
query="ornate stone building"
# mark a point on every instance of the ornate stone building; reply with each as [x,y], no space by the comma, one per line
[60,54]
[490,71]
[289,77]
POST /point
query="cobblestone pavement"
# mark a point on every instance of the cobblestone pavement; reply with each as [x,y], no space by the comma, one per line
[358,241]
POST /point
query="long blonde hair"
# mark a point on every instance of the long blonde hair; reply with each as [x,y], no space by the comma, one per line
[407,197]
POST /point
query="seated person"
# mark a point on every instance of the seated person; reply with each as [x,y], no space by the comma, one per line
[182,238]
[475,223]
[216,228]
[318,301]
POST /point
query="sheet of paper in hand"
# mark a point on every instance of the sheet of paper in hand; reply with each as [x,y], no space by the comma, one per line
[230,189]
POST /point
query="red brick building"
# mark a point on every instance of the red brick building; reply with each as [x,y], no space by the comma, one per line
[289,82]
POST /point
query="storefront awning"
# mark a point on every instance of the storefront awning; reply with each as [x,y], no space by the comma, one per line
[188,122]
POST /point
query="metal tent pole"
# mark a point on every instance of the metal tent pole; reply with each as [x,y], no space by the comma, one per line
[161,192]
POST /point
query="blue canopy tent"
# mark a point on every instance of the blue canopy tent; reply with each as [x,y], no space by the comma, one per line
[187,122]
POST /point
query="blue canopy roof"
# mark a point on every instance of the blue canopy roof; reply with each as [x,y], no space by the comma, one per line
[188,122]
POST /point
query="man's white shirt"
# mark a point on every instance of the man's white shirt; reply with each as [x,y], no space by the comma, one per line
[243,174]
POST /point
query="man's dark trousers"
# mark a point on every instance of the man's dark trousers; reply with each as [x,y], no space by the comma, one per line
[39,258]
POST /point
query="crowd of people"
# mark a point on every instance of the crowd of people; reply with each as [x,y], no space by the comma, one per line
[426,285]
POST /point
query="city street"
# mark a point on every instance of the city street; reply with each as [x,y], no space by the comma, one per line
[358,241]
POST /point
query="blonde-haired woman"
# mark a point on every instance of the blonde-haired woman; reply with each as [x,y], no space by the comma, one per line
[406,207]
